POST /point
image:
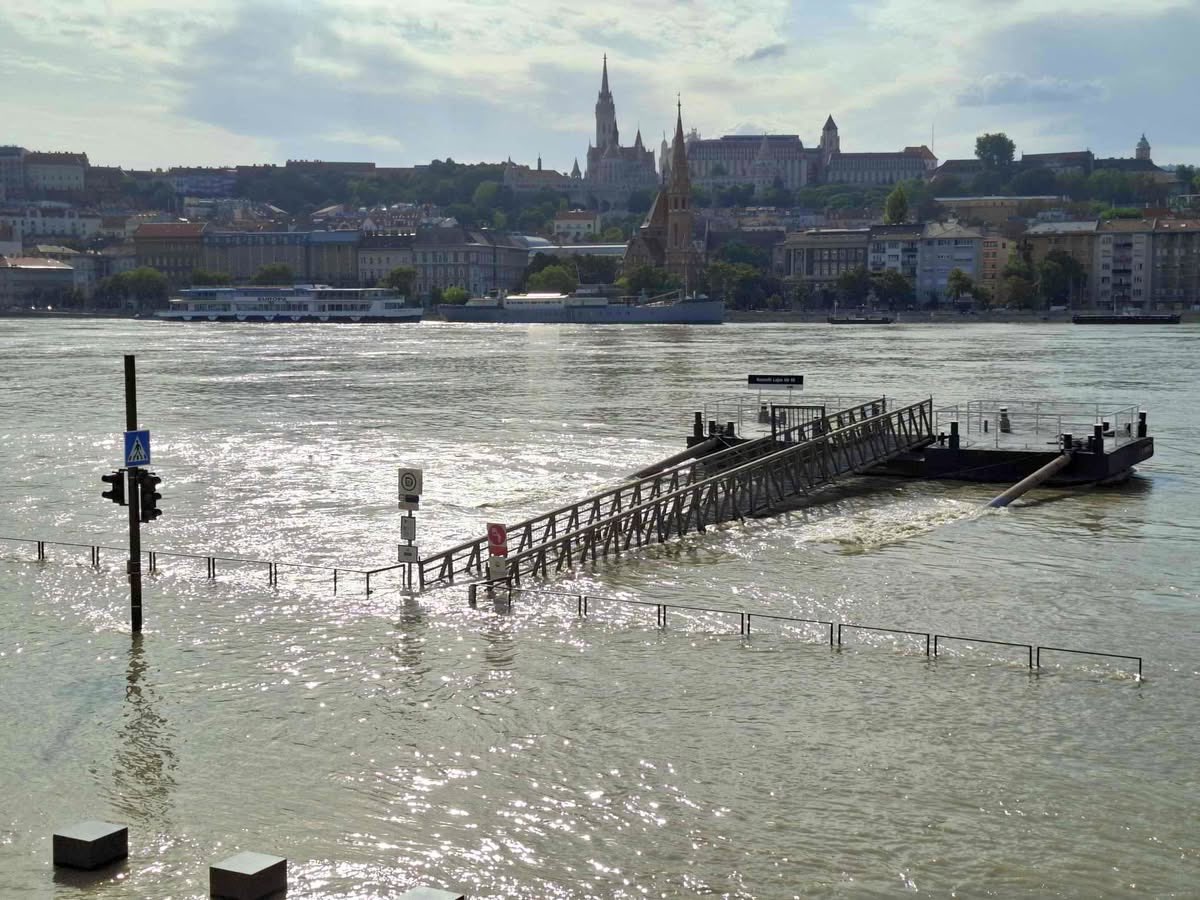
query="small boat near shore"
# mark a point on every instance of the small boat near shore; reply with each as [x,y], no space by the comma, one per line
[859,320]
[289,303]
[673,308]
[1127,319]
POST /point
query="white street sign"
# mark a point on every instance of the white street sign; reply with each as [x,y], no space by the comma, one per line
[408,528]
[411,482]
[406,553]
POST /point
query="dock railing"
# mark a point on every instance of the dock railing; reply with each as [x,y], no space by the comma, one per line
[744,409]
[96,552]
[753,488]
[470,557]
[931,643]
[1036,424]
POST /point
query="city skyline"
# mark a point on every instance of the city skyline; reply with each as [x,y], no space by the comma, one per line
[149,84]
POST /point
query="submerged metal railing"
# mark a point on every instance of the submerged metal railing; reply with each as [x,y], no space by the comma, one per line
[1036,424]
[836,631]
[754,488]
[470,557]
[210,560]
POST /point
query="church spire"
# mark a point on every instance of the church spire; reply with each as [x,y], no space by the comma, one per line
[604,91]
[679,166]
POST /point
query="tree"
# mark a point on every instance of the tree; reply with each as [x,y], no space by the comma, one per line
[455,295]
[145,286]
[853,285]
[959,283]
[995,151]
[1020,292]
[597,269]
[648,279]
[1052,282]
[400,280]
[553,279]
[892,288]
[203,278]
[895,211]
[1073,270]
[1038,182]
[613,234]
[274,273]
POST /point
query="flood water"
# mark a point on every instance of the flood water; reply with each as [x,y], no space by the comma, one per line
[381,743]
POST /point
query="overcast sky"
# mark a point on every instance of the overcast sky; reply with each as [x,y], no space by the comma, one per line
[147,83]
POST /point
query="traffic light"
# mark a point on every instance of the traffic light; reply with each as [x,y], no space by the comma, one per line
[149,496]
[116,493]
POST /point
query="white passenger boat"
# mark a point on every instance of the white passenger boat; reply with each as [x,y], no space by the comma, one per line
[290,303]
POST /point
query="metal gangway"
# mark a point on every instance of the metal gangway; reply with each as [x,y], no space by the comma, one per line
[744,480]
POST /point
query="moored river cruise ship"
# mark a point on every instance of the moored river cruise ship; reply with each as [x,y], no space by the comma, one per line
[289,303]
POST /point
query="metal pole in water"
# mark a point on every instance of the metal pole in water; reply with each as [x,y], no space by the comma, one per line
[134,566]
[1031,481]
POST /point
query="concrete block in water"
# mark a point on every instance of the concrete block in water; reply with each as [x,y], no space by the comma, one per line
[90,845]
[424,893]
[247,876]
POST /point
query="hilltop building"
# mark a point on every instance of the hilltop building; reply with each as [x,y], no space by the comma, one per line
[612,170]
[782,159]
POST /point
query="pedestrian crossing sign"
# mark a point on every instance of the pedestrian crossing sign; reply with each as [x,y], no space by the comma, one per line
[137,448]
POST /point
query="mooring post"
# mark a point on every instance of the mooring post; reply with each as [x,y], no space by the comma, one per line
[954,438]
[1098,438]
[698,426]
[1141,425]
[133,497]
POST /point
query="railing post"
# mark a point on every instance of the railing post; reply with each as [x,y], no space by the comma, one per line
[335,575]
[839,635]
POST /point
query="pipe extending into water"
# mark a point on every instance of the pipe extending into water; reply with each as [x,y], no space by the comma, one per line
[1029,482]
[692,452]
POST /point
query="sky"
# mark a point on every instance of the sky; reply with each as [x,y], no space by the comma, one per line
[156,83]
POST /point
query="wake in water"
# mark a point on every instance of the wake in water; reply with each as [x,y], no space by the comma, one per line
[869,528]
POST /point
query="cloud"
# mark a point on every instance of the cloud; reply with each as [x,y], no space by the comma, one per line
[1014,87]
[766,52]
[154,82]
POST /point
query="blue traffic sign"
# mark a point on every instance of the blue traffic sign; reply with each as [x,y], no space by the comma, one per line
[137,448]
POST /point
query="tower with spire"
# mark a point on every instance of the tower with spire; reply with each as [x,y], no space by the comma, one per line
[606,113]
[664,240]
[831,144]
[614,171]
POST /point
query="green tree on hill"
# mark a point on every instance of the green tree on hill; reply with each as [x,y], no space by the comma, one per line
[995,151]
[895,211]
[454,295]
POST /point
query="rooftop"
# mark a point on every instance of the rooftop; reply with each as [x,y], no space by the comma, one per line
[170,230]
[1081,227]
[31,262]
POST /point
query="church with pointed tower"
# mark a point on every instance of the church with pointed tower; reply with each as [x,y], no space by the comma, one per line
[664,241]
[612,170]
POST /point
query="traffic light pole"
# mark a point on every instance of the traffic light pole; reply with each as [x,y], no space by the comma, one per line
[133,494]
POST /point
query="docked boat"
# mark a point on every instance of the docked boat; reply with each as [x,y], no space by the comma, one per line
[673,308]
[289,303]
[860,320]
[1127,319]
